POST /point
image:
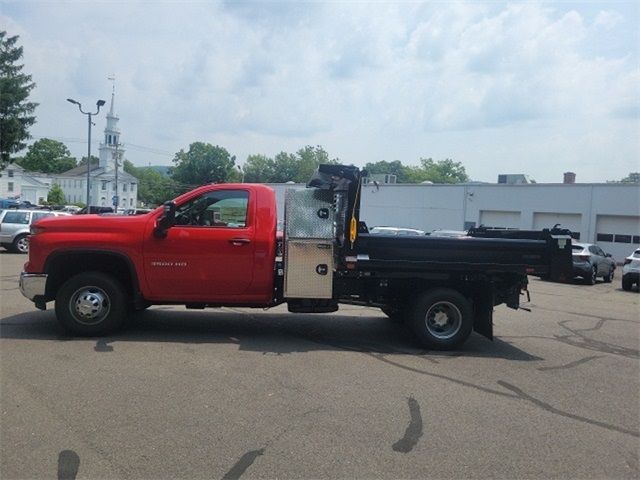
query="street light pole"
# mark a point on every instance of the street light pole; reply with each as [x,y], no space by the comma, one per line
[99,103]
[116,202]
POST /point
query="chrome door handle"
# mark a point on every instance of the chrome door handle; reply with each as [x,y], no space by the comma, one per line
[239,241]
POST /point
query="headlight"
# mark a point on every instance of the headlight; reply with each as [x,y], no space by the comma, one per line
[34,229]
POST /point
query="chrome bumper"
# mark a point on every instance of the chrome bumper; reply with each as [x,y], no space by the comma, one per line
[33,285]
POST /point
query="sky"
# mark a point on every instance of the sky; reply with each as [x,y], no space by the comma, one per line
[503,87]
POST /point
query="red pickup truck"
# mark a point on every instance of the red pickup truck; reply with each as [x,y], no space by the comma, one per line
[218,246]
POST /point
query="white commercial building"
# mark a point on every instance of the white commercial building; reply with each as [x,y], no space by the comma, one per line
[604,213]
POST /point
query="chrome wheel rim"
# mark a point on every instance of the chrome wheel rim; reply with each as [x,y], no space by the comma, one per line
[89,305]
[23,245]
[443,320]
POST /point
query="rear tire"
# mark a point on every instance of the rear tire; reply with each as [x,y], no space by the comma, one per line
[91,304]
[441,318]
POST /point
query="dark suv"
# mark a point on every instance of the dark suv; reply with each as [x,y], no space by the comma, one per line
[590,262]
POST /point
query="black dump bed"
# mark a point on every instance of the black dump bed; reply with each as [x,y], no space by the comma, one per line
[544,253]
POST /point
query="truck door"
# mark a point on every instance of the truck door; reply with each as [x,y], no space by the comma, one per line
[209,254]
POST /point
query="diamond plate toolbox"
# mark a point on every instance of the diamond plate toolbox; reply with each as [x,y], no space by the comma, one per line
[309,213]
[309,269]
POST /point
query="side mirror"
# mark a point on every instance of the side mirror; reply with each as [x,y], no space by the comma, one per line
[166,221]
[608,255]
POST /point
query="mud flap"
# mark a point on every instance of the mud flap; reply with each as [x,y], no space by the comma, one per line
[483,309]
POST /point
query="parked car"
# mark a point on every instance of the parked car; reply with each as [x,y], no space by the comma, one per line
[15,227]
[137,211]
[70,209]
[94,209]
[631,271]
[590,262]
[395,231]
[8,203]
[448,233]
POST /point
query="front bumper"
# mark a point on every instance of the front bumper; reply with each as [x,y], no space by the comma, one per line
[33,286]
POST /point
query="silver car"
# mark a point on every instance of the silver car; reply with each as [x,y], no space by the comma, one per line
[395,231]
[15,224]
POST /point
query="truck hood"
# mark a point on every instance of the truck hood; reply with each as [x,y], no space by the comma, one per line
[92,223]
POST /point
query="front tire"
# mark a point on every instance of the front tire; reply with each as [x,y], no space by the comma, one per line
[442,319]
[21,244]
[591,279]
[608,278]
[91,304]
[627,284]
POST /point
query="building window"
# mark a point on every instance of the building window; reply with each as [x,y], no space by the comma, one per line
[133,186]
[604,237]
[131,202]
[10,172]
[623,238]
[636,239]
[124,187]
[104,184]
[10,187]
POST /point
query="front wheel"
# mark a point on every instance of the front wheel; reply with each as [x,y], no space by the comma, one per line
[21,244]
[442,319]
[627,284]
[591,279]
[91,304]
[608,278]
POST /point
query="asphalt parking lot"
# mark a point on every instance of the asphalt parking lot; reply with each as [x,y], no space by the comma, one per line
[239,393]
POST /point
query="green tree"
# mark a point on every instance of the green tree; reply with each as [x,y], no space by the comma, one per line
[442,171]
[259,169]
[56,195]
[298,167]
[633,177]
[15,109]
[392,168]
[47,156]
[202,163]
[94,160]
[285,168]
[153,187]
[308,160]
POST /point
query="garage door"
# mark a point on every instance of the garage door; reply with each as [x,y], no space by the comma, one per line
[618,234]
[572,221]
[498,218]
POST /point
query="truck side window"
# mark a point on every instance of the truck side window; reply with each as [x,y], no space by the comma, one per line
[220,208]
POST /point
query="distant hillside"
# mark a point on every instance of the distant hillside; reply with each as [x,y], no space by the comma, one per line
[162,169]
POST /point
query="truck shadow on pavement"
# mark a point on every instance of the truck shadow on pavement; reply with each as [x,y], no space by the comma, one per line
[268,333]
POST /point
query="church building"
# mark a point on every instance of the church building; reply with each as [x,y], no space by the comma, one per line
[104,175]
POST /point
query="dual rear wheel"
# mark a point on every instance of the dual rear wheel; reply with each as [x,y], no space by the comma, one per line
[441,319]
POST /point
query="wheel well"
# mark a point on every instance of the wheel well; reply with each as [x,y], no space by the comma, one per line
[64,266]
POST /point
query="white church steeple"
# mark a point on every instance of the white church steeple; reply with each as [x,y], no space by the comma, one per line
[111,143]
